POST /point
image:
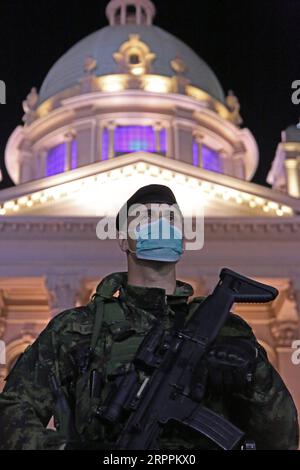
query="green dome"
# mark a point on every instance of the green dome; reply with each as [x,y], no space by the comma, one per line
[102,44]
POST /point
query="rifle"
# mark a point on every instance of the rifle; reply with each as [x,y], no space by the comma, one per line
[166,393]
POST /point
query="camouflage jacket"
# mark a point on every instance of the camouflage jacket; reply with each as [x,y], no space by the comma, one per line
[266,413]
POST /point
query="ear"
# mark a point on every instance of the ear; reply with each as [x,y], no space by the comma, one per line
[123,242]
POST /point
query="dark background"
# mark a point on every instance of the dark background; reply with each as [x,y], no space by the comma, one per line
[252,45]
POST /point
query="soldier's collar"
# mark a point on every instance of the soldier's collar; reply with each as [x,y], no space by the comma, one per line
[144,297]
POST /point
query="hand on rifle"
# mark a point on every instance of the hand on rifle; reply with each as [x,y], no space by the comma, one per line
[230,364]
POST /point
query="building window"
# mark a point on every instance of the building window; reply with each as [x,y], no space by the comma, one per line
[195,154]
[130,139]
[74,155]
[105,144]
[211,160]
[163,142]
[56,158]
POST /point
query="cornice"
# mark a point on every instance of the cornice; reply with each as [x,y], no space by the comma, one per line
[223,229]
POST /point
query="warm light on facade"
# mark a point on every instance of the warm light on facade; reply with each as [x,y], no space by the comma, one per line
[120,179]
[156,84]
[137,71]
[113,83]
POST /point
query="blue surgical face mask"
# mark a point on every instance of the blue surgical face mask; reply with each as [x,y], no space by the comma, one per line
[159,241]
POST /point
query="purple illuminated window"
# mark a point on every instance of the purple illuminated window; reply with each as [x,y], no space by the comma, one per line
[56,160]
[74,155]
[129,139]
[195,154]
[105,144]
[211,160]
[163,141]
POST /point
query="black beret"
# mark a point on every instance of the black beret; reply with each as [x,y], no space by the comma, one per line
[152,194]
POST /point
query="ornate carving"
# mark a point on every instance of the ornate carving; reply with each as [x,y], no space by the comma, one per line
[63,291]
[234,107]
[284,333]
[90,65]
[179,66]
[29,106]
[134,56]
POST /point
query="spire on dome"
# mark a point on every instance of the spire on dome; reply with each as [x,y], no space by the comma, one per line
[122,12]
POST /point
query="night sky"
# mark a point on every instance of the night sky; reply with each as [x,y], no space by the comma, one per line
[253,46]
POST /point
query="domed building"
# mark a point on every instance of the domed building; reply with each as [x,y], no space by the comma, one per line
[127,106]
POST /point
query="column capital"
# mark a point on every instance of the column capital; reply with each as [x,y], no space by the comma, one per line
[199,137]
[284,333]
[158,126]
[111,125]
[63,291]
[69,136]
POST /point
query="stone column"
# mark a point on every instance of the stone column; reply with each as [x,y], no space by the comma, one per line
[222,157]
[157,128]
[170,142]
[63,290]
[292,170]
[26,166]
[100,144]
[111,129]
[199,140]
[139,14]
[226,163]
[284,334]
[123,14]
[43,163]
[69,137]
[95,141]
[238,165]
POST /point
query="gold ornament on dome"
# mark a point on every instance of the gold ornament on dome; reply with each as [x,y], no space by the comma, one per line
[90,65]
[134,56]
[234,107]
[179,66]
[30,105]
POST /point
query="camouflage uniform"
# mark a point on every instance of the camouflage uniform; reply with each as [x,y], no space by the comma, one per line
[266,413]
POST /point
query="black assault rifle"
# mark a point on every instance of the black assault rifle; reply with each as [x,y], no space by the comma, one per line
[167,392]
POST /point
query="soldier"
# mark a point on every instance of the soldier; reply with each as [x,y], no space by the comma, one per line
[68,370]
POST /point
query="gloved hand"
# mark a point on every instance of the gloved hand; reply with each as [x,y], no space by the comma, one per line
[230,364]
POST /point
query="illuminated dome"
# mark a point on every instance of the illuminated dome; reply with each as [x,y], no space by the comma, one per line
[130,87]
[103,44]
